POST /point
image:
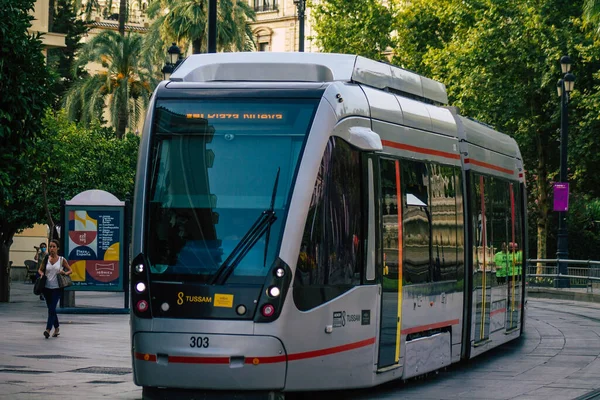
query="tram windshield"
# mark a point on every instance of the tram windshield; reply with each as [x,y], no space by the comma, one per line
[217,167]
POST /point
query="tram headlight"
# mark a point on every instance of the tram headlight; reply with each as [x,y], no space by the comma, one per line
[241,309]
[142,306]
[139,268]
[279,272]
[273,291]
[140,287]
[267,310]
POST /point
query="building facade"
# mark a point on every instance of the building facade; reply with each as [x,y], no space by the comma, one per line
[277,27]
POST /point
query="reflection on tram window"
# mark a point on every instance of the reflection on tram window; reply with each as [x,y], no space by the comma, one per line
[330,260]
[460,226]
[499,226]
[443,223]
[416,218]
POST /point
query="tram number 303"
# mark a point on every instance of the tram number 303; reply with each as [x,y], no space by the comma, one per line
[199,342]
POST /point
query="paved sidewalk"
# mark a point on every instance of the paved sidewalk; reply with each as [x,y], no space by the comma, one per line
[559,358]
[89,360]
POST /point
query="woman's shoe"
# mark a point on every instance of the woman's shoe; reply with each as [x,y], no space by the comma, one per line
[46,334]
[56,333]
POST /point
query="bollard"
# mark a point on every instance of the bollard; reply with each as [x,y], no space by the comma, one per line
[68,299]
[590,288]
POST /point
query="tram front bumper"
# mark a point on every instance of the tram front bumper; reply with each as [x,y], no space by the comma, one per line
[208,361]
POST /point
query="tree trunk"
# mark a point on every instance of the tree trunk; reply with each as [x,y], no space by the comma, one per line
[51,6]
[47,209]
[543,207]
[6,240]
[122,16]
[196,46]
[122,118]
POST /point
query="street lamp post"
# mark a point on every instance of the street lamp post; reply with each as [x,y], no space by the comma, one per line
[301,5]
[173,60]
[564,86]
[212,26]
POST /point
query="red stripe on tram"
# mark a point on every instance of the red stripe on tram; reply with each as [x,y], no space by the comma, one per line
[331,350]
[261,360]
[198,360]
[421,150]
[488,166]
[422,328]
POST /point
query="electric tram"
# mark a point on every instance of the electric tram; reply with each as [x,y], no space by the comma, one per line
[318,221]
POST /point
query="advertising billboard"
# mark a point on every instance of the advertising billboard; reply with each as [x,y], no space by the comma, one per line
[94,237]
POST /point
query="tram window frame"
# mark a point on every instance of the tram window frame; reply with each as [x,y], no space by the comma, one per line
[415,217]
[316,267]
[372,219]
[422,198]
[446,178]
[491,183]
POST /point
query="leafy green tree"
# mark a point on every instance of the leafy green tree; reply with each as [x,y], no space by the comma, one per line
[125,83]
[591,13]
[187,22]
[75,158]
[500,62]
[360,27]
[25,87]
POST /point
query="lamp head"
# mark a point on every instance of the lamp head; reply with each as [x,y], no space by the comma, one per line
[565,64]
[569,82]
[167,70]
[173,53]
[559,87]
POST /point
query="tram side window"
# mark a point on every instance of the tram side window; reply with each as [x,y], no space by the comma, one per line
[498,214]
[416,223]
[444,240]
[492,225]
[331,256]
[517,220]
[460,225]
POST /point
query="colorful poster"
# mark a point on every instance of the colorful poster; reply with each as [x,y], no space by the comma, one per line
[94,238]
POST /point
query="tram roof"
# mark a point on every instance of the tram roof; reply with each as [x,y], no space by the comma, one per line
[307,67]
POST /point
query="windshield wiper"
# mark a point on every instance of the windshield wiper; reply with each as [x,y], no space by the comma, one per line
[271,210]
[256,231]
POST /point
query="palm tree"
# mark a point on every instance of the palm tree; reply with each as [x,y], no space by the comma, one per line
[187,22]
[125,83]
[591,12]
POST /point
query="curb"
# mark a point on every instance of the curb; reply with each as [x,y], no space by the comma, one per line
[561,294]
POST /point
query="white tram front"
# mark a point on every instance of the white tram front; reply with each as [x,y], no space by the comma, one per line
[318,221]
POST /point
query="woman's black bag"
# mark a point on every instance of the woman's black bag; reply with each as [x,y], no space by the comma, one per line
[40,283]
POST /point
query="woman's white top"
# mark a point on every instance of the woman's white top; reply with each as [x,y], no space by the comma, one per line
[51,271]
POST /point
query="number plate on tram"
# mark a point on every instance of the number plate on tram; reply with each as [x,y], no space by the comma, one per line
[200,342]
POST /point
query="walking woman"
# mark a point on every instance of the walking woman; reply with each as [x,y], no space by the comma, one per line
[53,265]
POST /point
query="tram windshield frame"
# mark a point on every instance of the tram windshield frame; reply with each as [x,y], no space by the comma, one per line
[215,166]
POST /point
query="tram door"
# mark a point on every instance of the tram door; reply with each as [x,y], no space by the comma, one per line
[515,260]
[391,274]
[482,262]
